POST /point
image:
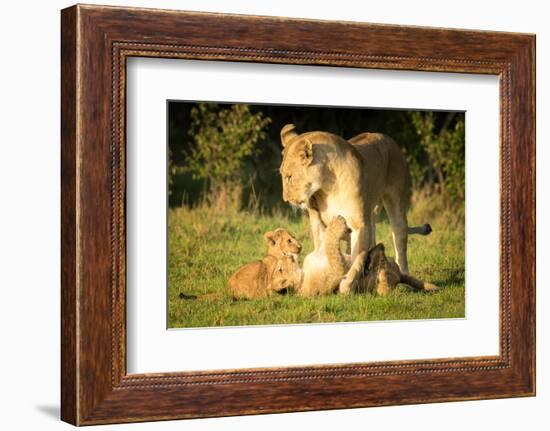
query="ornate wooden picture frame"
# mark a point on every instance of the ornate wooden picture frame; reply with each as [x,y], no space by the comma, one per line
[96,41]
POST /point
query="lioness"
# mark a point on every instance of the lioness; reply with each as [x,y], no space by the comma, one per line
[264,277]
[348,178]
[325,268]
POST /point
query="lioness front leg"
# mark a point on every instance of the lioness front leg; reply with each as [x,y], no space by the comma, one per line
[317,227]
[353,275]
[362,237]
[358,239]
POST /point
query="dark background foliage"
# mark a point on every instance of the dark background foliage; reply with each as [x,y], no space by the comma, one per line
[433,143]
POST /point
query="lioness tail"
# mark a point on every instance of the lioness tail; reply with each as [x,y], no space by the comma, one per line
[418,284]
[425,229]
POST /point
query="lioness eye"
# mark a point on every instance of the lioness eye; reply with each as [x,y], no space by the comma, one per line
[289,241]
[289,178]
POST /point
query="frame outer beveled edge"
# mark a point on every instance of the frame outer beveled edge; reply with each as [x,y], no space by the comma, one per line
[69,374]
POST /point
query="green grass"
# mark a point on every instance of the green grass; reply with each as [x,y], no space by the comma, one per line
[205,248]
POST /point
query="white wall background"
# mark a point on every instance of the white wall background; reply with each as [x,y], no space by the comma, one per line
[29,215]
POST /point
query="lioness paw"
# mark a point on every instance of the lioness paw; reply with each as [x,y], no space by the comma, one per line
[345,286]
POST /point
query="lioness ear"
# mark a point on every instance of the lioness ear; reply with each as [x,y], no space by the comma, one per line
[306,152]
[287,133]
[269,238]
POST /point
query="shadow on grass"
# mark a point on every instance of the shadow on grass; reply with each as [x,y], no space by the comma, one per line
[450,276]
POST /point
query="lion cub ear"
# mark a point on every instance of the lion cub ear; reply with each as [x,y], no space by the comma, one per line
[287,133]
[269,238]
[306,152]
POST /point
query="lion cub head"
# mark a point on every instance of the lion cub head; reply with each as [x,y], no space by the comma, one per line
[337,229]
[281,243]
[302,175]
[263,277]
[287,275]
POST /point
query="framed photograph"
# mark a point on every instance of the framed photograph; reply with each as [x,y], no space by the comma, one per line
[266,215]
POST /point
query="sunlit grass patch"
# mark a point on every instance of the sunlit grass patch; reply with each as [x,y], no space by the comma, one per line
[206,247]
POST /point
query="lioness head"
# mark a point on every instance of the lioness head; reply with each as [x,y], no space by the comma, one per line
[302,175]
[281,243]
[287,275]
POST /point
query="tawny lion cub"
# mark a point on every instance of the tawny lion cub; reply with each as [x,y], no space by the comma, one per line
[276,272]
[326,267]
[381,274]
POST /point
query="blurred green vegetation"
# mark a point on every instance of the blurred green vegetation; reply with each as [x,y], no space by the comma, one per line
[228,155]
[223,139]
